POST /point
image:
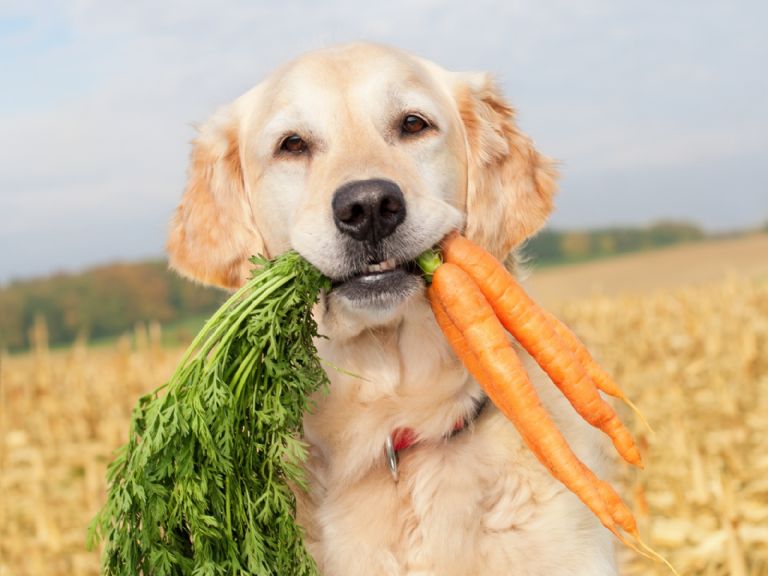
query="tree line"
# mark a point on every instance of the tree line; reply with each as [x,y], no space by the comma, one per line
[110,300]
[552,247]
[100,302]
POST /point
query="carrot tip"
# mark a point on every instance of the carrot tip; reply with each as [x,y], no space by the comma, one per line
[639,414]
[631,455]
[641,547]
[649,552]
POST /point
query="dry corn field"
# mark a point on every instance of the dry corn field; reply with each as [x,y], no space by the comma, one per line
[695,360]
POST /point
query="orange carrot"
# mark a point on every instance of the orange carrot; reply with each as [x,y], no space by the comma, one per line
[478,338]
[526,321]
[456,340]
[600,377]
[470,301]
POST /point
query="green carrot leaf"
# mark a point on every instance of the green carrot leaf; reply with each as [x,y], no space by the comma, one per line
[202,487]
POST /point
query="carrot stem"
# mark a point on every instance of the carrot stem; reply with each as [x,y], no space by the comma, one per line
[429,261]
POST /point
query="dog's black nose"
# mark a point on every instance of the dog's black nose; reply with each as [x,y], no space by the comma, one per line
[368,210]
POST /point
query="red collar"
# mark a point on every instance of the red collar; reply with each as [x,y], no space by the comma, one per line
[403,438]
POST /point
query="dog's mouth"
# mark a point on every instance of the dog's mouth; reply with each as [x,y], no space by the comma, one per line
[380,284]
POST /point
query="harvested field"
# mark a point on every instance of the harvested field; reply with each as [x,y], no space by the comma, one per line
[697,263]
[694,359]
[63,414]
[696,363]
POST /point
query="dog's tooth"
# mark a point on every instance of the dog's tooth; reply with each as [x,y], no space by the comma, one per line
[385,266]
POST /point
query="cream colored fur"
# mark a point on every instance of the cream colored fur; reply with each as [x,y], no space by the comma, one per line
[478,503]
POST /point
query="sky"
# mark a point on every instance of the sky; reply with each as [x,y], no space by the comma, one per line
[656,110]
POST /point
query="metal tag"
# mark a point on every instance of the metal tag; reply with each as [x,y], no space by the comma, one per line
[389,447]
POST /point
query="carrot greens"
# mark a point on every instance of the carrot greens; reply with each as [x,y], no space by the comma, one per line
[202,486]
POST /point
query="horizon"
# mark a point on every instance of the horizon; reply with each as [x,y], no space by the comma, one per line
[709,234]
[654,113]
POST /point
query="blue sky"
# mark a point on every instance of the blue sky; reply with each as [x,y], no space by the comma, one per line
[656,109]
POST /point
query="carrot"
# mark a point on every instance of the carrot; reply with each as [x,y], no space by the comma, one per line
[527,322]
[599,376]
[478,338]
[470,309]
[456,340]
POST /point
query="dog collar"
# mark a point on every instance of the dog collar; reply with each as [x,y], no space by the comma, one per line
[403,438]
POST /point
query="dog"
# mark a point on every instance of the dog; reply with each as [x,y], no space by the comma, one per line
[360,157]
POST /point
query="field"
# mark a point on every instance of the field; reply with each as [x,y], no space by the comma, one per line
[685,330]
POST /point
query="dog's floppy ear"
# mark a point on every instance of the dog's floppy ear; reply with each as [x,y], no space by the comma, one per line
[510,186]
[212,232]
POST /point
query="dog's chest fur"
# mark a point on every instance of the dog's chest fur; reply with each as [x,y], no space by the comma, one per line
[474,503]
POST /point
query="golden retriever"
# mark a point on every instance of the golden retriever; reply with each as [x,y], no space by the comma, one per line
[360,157]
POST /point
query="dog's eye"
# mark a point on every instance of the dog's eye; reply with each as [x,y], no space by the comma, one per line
[413,124]
[293,144]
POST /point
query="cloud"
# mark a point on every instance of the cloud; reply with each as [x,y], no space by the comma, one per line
[100,96]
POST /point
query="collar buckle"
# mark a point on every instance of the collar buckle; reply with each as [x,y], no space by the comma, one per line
[389,447]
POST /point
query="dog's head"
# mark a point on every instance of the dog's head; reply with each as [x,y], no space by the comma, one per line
[360,158]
